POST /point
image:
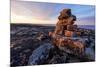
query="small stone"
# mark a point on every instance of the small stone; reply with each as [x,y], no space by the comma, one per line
[69,33]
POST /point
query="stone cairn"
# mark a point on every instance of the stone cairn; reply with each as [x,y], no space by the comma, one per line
[66,34]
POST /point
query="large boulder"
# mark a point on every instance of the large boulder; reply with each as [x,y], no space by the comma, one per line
[72,45]
[40,54]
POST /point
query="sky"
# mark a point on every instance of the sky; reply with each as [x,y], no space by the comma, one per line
[47,13]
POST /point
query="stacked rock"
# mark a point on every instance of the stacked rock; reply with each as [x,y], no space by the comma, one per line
[65,25]
[65,34]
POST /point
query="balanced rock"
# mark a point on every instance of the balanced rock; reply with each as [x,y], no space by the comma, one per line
[65,13]
[65,18]
[65,34]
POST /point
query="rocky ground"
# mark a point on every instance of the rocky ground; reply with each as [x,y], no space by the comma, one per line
[31,45]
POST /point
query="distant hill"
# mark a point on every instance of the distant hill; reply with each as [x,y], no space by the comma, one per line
[26,24]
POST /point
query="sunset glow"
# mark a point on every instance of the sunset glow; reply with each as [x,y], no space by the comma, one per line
[47,13]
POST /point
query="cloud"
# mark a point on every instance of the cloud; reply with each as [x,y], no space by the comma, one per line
[47,13]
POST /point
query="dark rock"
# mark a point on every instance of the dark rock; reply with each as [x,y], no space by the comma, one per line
[90,54]
[40,54]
